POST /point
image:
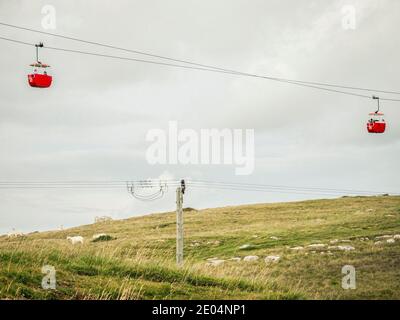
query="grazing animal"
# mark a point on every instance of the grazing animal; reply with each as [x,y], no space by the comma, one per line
[76,239]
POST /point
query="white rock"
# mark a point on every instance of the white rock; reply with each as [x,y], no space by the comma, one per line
[274,238]
[272,259]
[378,243]
[345,240]
[316,246]
[390,241]
[383,237]
[216,242]
[196,244]
[334,241]
[236,259]
[250,258]
[346,248]
[212,259]
[396,237]
[215,263]
[297,248]
[245,246]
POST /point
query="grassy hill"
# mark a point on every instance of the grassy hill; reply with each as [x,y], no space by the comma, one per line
[139,263]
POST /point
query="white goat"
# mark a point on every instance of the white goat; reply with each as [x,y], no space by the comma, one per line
[76,239]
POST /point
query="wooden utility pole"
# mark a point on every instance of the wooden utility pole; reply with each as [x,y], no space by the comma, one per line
[179,223]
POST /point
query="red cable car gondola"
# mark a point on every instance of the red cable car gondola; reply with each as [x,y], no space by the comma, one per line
[39,78]
[376,123]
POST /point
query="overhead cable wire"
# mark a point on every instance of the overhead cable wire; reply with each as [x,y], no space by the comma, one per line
[152,184]
[263,190]
[210,183]
[297,83]
[286,188]
[224,188]
[286,191]
[85,181]
[193,63]
[155,182]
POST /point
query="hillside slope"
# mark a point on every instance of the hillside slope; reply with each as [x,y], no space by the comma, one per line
[140,262]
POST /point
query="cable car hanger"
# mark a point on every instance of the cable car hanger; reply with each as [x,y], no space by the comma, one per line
[38,63]
[377,98]
[40,45]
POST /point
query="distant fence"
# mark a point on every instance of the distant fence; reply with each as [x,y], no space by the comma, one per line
[102,219]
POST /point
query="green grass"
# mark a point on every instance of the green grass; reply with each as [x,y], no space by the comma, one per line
[139,262]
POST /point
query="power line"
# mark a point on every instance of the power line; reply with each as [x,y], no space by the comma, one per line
[151,182]
[98,182]
[251,185]
[197,64]
[162,186]
[286,190]
[200,69]
[272,190]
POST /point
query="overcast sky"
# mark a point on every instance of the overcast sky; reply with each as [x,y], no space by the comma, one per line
[92,123]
